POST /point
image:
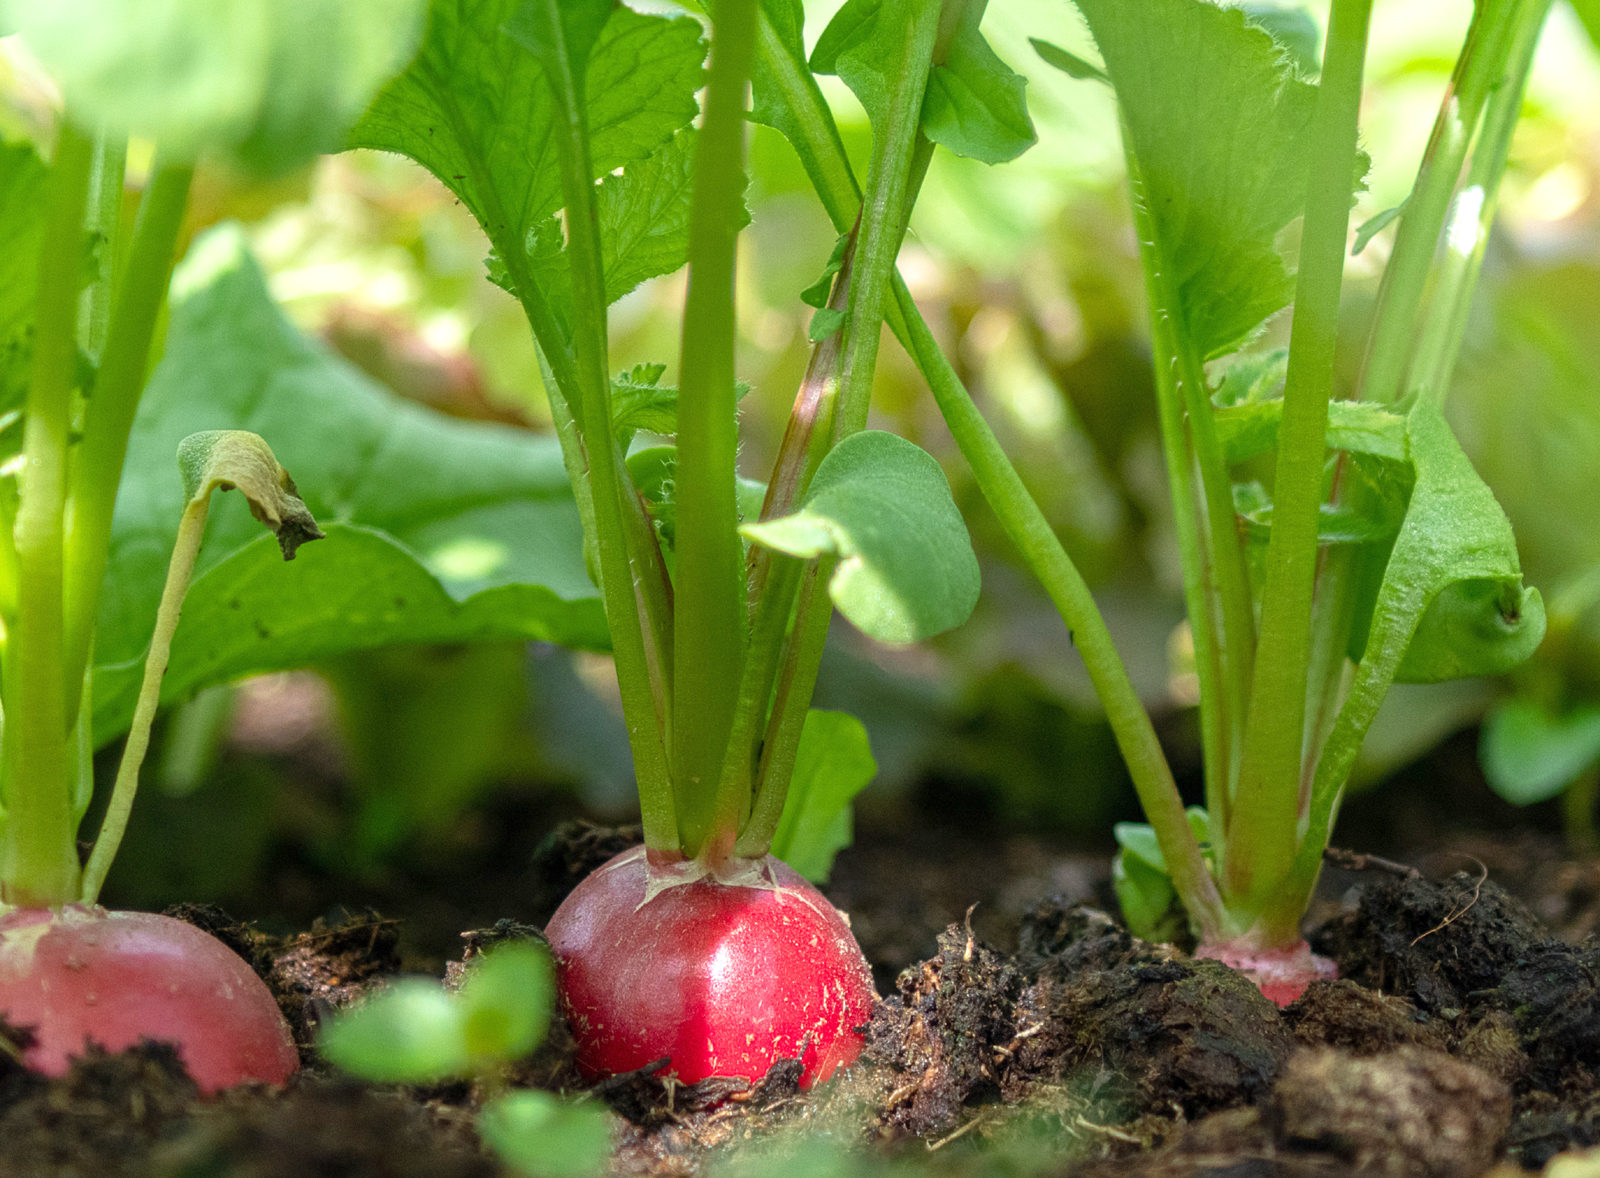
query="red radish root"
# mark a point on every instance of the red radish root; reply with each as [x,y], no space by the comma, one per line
[84,974]
[1281,974]
[725,979]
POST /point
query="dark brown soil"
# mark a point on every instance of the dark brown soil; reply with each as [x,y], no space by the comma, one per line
[1462,1034]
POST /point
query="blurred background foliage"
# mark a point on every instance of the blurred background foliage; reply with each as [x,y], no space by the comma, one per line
[1029,272]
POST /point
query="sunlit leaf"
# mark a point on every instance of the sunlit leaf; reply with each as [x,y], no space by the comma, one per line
[833,764]
[475,109]
[1220,129]
[1359,426]
[975,105]
[882,507]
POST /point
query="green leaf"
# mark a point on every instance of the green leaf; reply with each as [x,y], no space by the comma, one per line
[832,765]
[1139,838]
[824,323]
[537,1134]
[644,227]
[411,1033]
[1358,426]
[474,107]
[1220,129]
[1373,226]
[1251,378]
[1293,28]
[275,81]
[505,1002]
[1453,532]
[1473,627]
[882,507]
[1336,523]
[816,295]
[1149,904]
[975,104]
[438,530]
[862,45]
[1530,754]
[1068,63]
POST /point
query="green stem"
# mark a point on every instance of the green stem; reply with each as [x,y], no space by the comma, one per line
[647,735]
[1478,72]
[1266,815]
[38,856]
[106,177]
[796,681]
[1031,532]
[1472,214]
[883,216]
[1203,623]
[710,614]
[124,364]
[191,531]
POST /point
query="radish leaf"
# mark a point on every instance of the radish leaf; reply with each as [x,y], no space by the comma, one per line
[882,507]
[1220,129]
[833,764]
[437,530]
[410,1033]
[975,104]
[275,81]
[474,107]
[538,1135]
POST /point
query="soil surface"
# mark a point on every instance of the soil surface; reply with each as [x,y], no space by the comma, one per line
[1030,1035]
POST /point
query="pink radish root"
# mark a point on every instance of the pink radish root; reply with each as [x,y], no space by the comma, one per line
[1281,974]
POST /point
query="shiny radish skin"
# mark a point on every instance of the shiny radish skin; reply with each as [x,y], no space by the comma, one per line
[725,979]
[115,978]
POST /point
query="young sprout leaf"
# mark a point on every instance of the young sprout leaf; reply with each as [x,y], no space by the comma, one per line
[1199,84]
[538,1135]
[505,1002]
[1139,876]
[274,81]
[1473,627]
[880,505]
[1530,754]
[236,459]
[1068,63]
[446,531]
[824,323]
[834,763]
[474,107]
[976,104]
[816,295]
[411,1033]
[1252,377]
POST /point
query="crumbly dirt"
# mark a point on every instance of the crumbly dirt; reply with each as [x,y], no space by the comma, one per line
[1461,1036]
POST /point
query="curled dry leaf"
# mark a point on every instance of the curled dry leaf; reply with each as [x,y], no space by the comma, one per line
[236,459]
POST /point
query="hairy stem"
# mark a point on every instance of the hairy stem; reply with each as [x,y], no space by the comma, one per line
[38,858]
[710,615]
[191,531]
[1266,814]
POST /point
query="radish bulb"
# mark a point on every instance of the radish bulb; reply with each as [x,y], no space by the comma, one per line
[80,975]
[722,976]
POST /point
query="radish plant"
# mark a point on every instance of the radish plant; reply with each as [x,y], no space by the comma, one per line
[566,128]
[83,306]
[1378,555]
